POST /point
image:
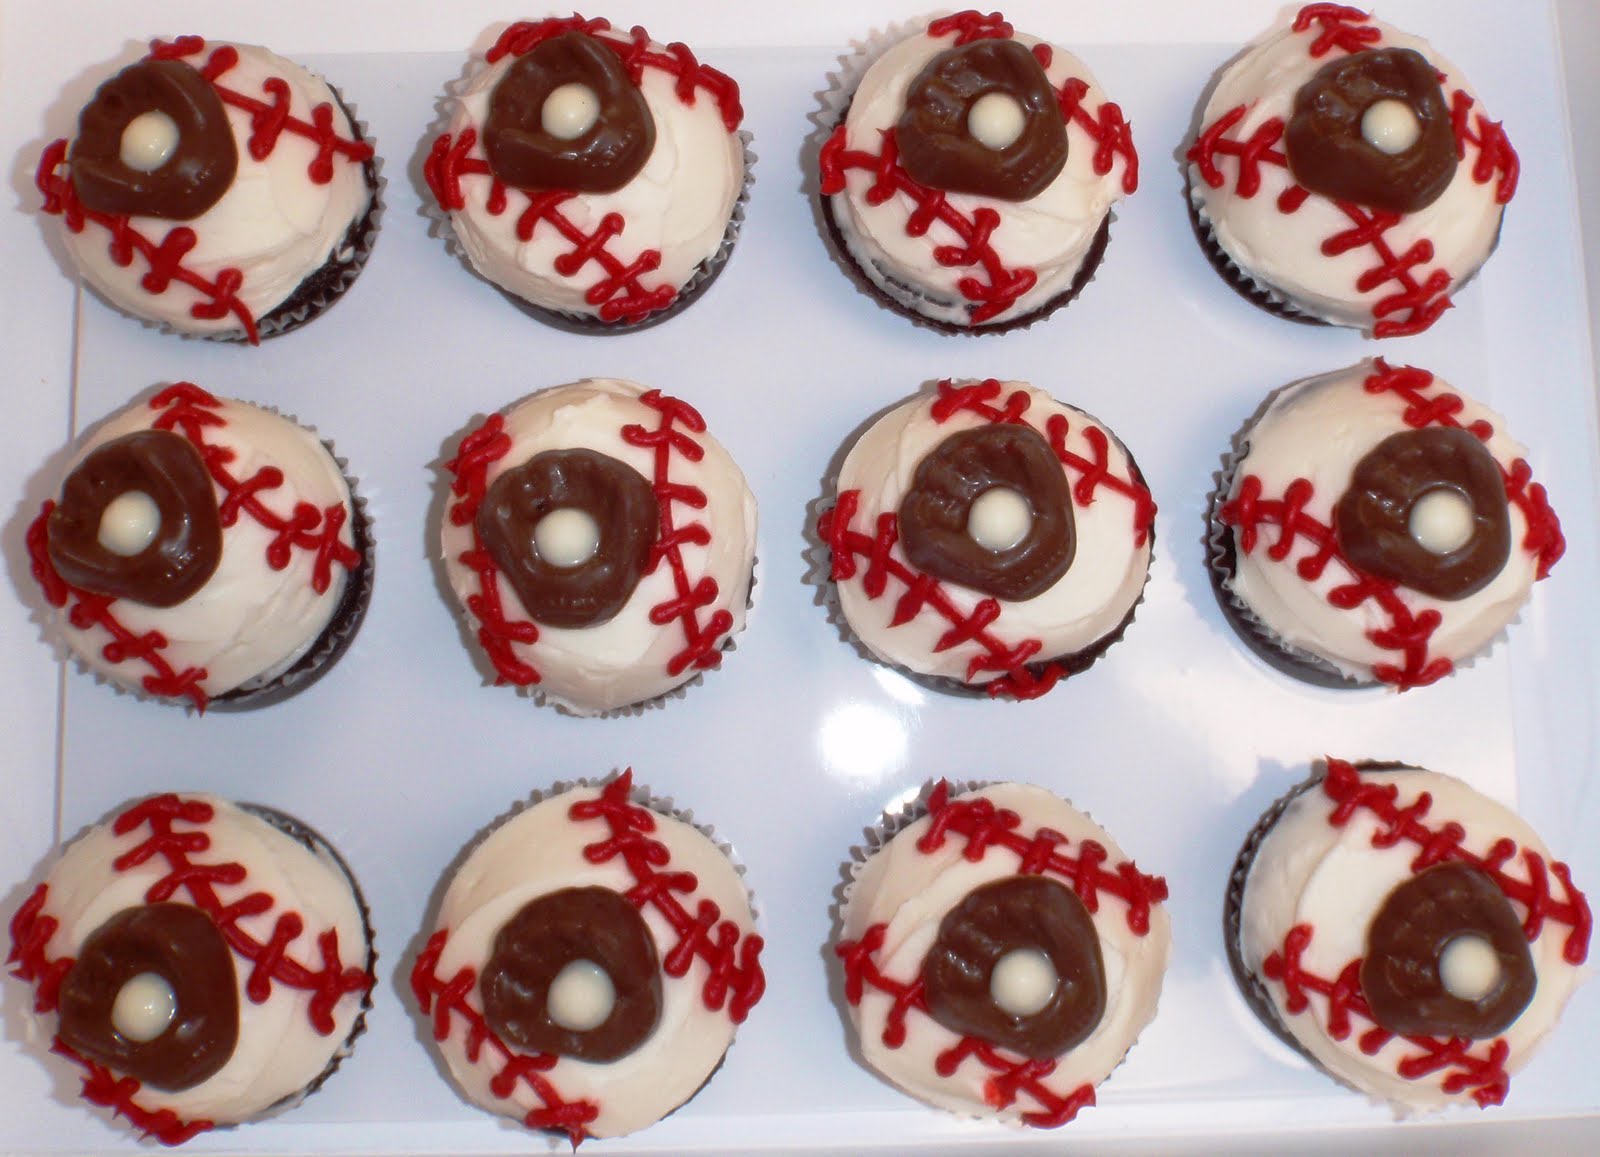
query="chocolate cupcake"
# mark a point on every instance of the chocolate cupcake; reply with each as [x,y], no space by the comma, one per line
[592,958]
[988,538]
[601,544]
[204,551]
[1344,172]
[215,190]
[1374,526]
[1410,936]
[1001,954]
[596,176]
[970,172]
[200,961]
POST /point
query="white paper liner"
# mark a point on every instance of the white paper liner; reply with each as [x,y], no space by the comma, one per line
[441,225]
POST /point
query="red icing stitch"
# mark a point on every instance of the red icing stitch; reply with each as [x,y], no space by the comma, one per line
[834,527]
[1407,634]
[191,410]
[621,295]
[1420,296]
[31,931]
[734,970]
[985,826]
[972,25]
[219,294]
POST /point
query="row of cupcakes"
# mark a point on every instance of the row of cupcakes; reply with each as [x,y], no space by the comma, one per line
[199,962]
[1342,172]
[1369,526]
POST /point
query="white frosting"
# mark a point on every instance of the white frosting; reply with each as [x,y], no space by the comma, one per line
[540,851]
[1283,252]
[911,891]
[1086,604]
[623,660]
[1319,429]
[274,224]
[1050,234]
[129,523]
[148,141]
[1307,871]
[567,537]
[278,1051]
[248,623]
[144,1007]
[679,204]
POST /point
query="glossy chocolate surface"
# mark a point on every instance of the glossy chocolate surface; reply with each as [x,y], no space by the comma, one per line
[201,168]
[937,149]
[188,544]
[603,159]
[614,494]
[1328,154]
[933,514]
[185,948]
[1373,517]
[547,934]
[1408,936]
[1019,912]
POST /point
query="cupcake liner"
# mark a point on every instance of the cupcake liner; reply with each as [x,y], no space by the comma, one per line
[297,830]
[442,226]
[1257,293]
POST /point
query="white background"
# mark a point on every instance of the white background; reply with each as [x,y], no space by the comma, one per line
[1175,741]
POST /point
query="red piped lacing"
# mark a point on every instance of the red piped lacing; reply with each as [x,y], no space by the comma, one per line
[165,257]
[734,978]
[1407,634]
[1020,681]
[992,287]
[1419,296]
[31,930]
[621,294]
[984,826]
[190,411]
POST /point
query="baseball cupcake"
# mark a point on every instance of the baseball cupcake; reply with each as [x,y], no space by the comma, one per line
[601,544]
[596,176]
[1411,936]
[592,958]
[988,538]
[204,551]
[1375,526]
[1001,954]
[199,961]
[216,190]
[1345,172]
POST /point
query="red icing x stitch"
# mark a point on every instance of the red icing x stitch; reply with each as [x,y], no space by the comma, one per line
[992,287]
[984,827]
[1024,676]
[218,293]
[1466,1067]
[622,293]
[190,411]
[1418,295]
[734,978]
[1407,634]
[329,982]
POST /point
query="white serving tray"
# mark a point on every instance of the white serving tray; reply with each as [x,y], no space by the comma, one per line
[1175,741]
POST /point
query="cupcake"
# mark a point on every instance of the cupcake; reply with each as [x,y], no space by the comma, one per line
[1001,954]
[601,544]
[970,173]
[594,175]
[1374,526]
[988,538]
[215,190]
[1344,172]
[1409,935]
[204,551]
[201,962]
[592,959]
